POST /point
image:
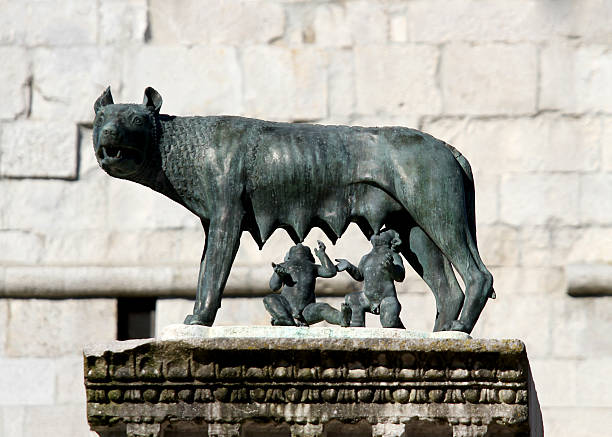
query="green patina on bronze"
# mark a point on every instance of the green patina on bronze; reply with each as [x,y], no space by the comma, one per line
[239,174]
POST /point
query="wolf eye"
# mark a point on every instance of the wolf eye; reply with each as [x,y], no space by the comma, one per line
[99,120]
[137,120]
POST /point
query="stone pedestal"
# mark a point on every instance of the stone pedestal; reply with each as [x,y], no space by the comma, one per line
[227,381]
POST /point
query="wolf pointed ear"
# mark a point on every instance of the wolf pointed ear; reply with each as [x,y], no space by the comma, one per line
[152,99]
[105,99]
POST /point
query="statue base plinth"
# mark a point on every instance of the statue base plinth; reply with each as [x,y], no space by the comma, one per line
[308,382]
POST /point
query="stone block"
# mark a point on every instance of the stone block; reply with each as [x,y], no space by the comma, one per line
[397,80]
[341,83]
[58,327]
[156,247]
[498,245]
[547,373]
[11,420]
[577,421]
[506,20]
[595,195]
[70,388]
[133,206]
[65,420]
[330,26]
[538,199]
[39,149]
[236,22]
[210,81]
[19,247]
[12,19]
[76,247]
[58,205]
[489,78]
[545,143]
[4,317]
[75,23]
[284,84]
[592,245]
[398,29]
[27,381]
[67,81]
[536,281]
[368,21]
[123,21]
[577,326]
[606,144]
[486,187]
[593,380]
[574,78]
[14,76]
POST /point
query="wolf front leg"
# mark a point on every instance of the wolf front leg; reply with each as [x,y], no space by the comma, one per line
[222,241]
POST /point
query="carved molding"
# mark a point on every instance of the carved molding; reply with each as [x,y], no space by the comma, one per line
[464,382]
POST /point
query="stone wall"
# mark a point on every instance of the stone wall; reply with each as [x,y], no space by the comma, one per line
[523,89]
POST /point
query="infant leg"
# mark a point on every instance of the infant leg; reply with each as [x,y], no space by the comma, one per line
[357,302]
[279,309]
[389,313]
[317,312]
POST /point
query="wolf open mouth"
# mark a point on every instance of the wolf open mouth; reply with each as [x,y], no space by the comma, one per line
[115,153]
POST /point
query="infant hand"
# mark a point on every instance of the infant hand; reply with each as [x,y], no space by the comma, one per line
[342,265]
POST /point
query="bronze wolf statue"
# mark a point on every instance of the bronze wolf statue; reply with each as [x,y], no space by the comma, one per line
[239,174]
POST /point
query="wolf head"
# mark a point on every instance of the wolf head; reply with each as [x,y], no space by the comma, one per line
[123,134]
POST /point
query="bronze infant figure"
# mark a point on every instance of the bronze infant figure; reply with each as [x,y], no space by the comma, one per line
[296,304]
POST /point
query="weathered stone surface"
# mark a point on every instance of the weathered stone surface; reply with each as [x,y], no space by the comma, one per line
[20,247]
[194,332]
[584,422]
[148,209]
[227,22]
[66,79]
[284,84]
[592,245]
[575,78]
[341,82]
[39,149]
[27,381]
[594,188]
[162,247]
[210,79]
[546,374]
[398,29]
[12,419]
[540,199]
[471,75]
[582,320]
[53,204]
[68,420]
[14,76]
[606,141]
[592,375]
[351,23]
[195,380]
[123,21]
[542,144]
[74,248]
[4,316]
[37,23]
[499,245]
[55,328]
[397,80]
[69,380]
